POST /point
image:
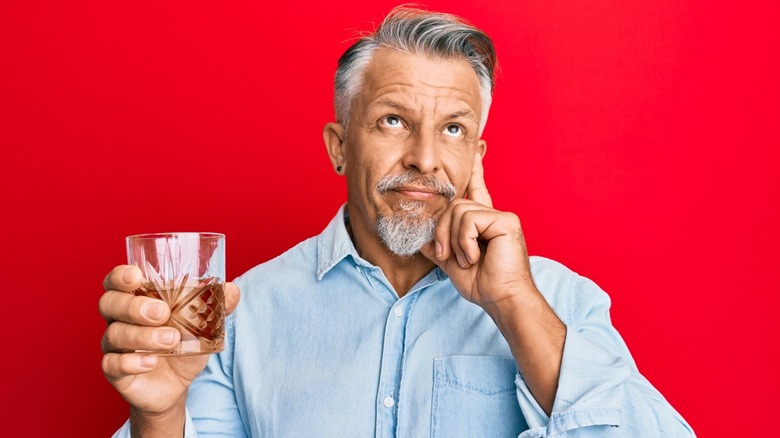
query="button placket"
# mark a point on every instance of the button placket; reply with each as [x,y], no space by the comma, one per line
[392,364]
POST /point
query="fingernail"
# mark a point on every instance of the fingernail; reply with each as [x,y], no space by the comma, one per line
[148,360]
[164,337]
[130,275]
[460,260]
[468,258]
[153,310]
[438,250]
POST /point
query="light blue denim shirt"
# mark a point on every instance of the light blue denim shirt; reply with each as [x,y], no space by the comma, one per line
[321,345]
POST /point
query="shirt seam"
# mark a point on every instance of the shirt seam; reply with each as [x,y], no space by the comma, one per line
[571,302]
[557,424]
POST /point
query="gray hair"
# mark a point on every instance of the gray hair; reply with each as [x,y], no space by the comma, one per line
[417,31]
[405,234]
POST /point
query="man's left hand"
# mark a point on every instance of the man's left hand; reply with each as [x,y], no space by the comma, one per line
[483,252]
[480,248]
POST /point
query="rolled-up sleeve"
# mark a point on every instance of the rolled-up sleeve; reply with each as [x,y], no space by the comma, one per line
[189,429]
[600,391]
[211,401]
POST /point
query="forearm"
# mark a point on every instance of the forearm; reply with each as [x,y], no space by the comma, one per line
[536,337]
[166,425]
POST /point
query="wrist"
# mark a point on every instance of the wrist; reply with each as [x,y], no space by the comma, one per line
[164,424]
[527,322]
[514,302]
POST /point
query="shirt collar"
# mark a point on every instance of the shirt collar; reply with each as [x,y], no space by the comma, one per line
[334,244]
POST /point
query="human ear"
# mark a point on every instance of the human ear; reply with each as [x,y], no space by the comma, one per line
[482,147]
[333,134]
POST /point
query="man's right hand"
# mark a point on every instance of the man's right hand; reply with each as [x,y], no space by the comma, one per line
[155,387]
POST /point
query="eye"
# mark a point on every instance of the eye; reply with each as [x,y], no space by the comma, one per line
[391,121]
[453,130]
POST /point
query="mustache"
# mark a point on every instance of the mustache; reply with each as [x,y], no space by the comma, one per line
[392,182]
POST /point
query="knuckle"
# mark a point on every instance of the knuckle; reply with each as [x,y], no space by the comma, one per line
[120,306]
[104,303]
[106,364]
[134,306]
[468,217]
[460,208]
[455,205]
[112,335]
[115,366]
[126,364]
[513,219]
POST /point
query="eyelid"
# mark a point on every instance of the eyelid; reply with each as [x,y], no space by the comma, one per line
[382,120]
[460,134]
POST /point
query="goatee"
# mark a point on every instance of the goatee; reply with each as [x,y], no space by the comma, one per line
[406,232]
[410,228]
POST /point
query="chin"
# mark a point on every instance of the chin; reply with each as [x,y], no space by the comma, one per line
[406,231]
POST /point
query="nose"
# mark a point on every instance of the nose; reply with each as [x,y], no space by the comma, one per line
[422,152]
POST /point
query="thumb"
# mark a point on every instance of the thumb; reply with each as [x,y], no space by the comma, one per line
[232,295]
[477,190]
[429,252]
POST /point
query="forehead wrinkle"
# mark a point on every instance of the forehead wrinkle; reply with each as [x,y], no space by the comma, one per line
[464,114]
[447,103]
[385,101]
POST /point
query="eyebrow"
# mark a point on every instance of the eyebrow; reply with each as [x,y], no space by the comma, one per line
[390,103]
[465,113]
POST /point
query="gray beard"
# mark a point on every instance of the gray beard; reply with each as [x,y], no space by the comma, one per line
[405,232]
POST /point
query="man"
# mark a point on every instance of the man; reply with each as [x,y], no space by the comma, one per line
[417,312]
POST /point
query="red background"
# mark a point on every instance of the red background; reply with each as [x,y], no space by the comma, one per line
[638,141]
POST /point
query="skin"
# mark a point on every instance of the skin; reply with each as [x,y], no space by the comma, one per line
[413,114]
[401,121]
[155,387]
[481,249]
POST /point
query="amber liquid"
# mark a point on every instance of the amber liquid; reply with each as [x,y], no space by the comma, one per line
[197,311]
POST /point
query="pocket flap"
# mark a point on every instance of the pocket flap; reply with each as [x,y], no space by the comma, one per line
[489,375]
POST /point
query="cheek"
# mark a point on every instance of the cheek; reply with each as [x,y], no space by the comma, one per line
[364,172]
[459,173]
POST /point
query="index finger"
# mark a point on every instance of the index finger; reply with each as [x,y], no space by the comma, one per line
[477,190]
[124,278]
[133,309]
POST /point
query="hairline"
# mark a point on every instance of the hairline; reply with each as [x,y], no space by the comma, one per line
[360,67]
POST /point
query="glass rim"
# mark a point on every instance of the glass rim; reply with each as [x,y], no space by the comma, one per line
[150,236]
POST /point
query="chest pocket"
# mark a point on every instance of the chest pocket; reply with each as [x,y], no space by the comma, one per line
[475,396]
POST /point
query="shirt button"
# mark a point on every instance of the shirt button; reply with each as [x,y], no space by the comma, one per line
[388,402]
[398,312]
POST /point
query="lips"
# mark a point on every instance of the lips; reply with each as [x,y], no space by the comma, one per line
[417,192]
[413,185]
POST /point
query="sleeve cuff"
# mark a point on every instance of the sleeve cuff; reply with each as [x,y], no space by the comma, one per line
[590,390]
[189,429]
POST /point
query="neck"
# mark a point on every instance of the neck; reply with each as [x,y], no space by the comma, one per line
[401,272]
